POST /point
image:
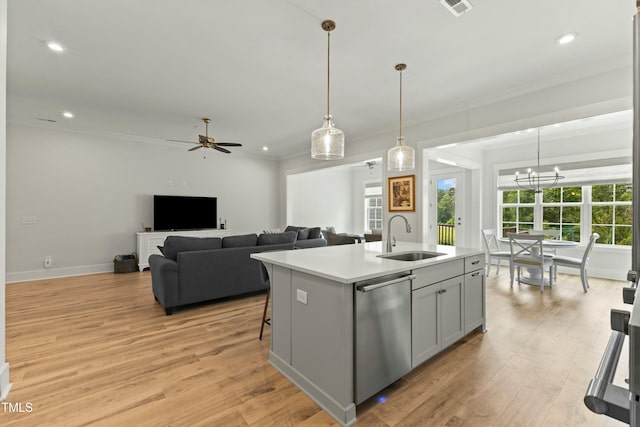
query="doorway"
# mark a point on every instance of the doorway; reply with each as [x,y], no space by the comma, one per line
[447,209]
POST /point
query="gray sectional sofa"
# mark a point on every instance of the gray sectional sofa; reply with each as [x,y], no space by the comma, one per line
[196,269]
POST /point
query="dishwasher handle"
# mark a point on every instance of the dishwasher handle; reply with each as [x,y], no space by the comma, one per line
[369,288]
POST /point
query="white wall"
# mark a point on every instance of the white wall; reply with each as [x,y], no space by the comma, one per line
[5,385]
[90,195]
[320,199]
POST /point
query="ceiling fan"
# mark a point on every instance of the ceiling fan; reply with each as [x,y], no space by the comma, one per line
[207,141]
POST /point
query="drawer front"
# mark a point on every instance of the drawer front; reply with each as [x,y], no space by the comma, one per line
[437,273]
[473,263]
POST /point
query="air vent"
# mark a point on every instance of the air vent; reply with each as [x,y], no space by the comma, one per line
[457,7]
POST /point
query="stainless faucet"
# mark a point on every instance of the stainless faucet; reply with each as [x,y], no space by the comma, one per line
[389,246]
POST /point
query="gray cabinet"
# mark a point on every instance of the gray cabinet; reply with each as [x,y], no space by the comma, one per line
[436,318]
[447,302]
[474,299]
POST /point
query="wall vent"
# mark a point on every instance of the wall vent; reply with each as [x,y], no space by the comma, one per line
[457,7]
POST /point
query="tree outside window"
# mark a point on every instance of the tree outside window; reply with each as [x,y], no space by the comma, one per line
[611,213]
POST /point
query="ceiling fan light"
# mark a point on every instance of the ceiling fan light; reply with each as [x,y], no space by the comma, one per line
[327,142]
[400,158]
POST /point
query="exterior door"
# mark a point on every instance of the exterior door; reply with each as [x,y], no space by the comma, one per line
[447,209]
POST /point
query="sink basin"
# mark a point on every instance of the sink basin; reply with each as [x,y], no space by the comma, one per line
[411,256]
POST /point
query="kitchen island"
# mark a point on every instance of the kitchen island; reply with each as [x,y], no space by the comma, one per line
[346,321]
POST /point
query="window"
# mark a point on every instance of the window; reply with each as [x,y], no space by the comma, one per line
[373,206]
[611,213]
[517,211]
[561,209]
[576,211]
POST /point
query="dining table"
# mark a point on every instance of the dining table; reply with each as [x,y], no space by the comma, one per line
[534,272]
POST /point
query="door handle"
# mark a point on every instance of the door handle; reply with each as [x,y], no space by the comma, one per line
[369,288]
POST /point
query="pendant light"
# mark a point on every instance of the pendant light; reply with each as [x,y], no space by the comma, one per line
[327,142]
[401,157]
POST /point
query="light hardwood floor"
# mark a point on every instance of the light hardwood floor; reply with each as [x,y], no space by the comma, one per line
[98,350]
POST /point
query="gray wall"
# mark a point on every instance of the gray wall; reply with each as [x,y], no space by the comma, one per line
[91,193]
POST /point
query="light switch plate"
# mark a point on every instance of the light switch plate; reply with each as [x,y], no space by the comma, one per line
[301,296]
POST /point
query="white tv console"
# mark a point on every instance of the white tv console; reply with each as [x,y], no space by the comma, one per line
[148,241]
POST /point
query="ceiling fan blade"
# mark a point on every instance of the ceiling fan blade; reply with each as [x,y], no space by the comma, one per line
[224,150]
[177,140]
[229,144]
[195,148]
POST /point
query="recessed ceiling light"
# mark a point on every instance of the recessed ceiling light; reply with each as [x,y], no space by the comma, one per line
[55,46]
[566,38]
[265,148]
[68,114]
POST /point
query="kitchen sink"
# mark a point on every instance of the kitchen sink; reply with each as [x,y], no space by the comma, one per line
[412,256]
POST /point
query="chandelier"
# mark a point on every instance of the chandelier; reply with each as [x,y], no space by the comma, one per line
[536,180]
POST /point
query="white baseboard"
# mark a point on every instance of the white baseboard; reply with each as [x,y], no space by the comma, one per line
[5,385]
[52,273]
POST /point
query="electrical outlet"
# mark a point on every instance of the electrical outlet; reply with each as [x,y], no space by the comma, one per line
[29,220]
[48,261]
[301,296]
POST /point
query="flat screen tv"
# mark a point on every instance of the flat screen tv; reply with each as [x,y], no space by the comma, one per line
[184,212]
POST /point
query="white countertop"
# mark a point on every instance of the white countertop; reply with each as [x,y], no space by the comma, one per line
[354,263]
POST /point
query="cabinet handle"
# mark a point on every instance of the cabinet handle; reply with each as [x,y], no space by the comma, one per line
[443,291]
[475,274]
[475,262]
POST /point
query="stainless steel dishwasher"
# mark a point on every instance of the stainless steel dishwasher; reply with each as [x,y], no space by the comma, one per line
[383,333]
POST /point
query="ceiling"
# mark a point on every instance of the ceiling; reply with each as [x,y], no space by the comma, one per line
[150,69]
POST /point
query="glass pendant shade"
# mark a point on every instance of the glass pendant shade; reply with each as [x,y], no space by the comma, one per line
[327,142]
[400,157]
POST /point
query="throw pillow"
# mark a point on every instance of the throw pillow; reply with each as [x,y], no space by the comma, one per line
[314,233]
[240,241]
[303,234]
[276,239]
[293,228]
[175,244]
[272,231]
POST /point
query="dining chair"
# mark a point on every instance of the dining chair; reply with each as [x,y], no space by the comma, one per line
[493,249]
[526,251]
[580,263]
[553,234]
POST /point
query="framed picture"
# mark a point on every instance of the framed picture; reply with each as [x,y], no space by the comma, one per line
[402,194]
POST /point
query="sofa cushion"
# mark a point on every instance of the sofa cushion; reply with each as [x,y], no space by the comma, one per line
[275,239]
[293,228]
[314,233]
[303,234]
[175,244]
[240,241]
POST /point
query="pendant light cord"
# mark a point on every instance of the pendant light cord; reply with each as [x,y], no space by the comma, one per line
[328,68]
[401,107]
